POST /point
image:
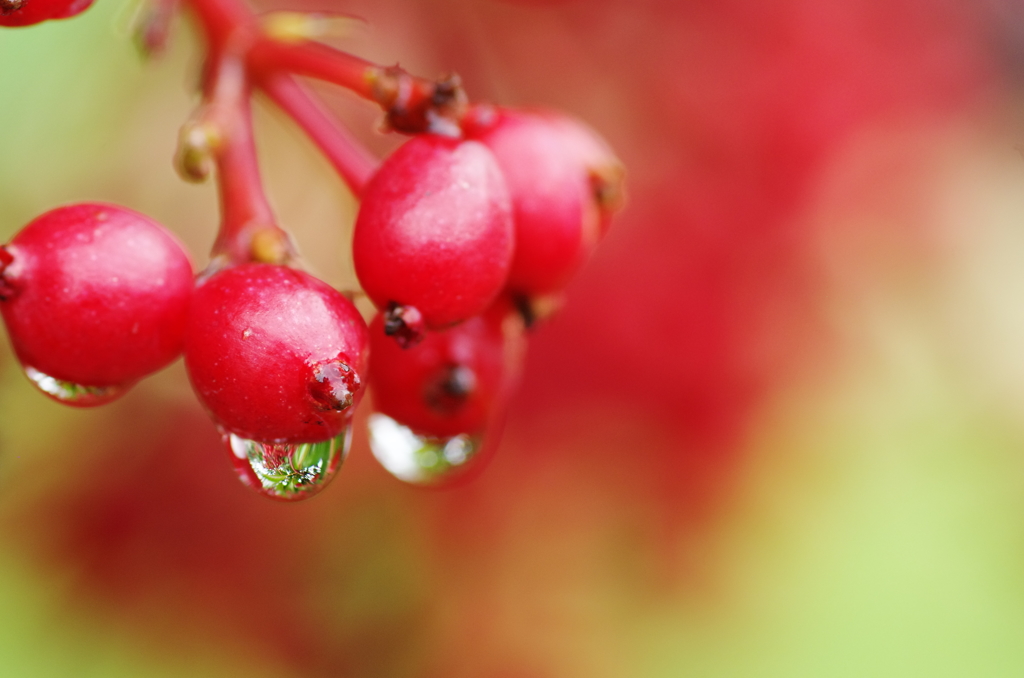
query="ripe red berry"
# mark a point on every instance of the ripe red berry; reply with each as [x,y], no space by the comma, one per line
[446,384]
[604,170]
[274,354]
[94,296]
[433,239]
[15,13]
[552,165]
[436,400]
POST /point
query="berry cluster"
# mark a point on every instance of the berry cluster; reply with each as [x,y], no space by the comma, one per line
[466,235]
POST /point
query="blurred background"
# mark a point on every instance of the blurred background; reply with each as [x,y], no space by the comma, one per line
[777,431]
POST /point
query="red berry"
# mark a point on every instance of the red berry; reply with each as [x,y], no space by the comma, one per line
[603,168]
[550,163]
[15,13]
[95,295]
[438,399]
[434,231]
[274,354]
[448,383]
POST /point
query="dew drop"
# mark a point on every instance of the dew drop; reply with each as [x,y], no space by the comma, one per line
[416,458]
[70,393]
[287,471]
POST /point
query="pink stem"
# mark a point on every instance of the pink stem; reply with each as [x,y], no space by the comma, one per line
[316,61]
[244,206]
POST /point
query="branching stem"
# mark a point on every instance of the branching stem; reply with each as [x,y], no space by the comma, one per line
[243,54]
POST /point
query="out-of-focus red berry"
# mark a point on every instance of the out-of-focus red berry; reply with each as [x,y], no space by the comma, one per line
[274,354]
[604,171]
[563,181]
[434,231]
[95,294]
[14,13]
[450,383]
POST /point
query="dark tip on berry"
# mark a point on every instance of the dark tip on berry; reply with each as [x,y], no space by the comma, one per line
[447,90]
[450,390]
[448,104]
[404,324]
[536,309]
[334,385]
[417,106]
[525,310]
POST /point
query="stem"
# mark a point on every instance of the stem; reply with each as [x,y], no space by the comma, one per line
[241,53]
[316,61]
[244,205]
[222,19]
[248,228]
[413,105]
[350,159]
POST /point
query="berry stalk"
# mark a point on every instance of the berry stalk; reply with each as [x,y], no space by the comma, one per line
[223,128]
[244,53]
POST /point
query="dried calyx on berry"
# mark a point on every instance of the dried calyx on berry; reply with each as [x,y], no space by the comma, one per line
[404,324]
[417,106]
[94,297]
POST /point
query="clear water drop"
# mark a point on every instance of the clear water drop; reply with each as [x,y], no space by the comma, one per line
[287,471]
[416,458]
[70,393]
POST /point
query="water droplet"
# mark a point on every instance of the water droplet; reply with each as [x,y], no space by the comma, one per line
[287,471]
[70,393]
[416,458]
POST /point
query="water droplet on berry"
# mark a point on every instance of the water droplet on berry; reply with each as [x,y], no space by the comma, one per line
[70,393]
[287,471]
[416,458]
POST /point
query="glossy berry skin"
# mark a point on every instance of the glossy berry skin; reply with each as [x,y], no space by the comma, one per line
[605,172]
[95,294]
[452,381]
[434,231]
[274,354]
[14,13]
[550,163]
